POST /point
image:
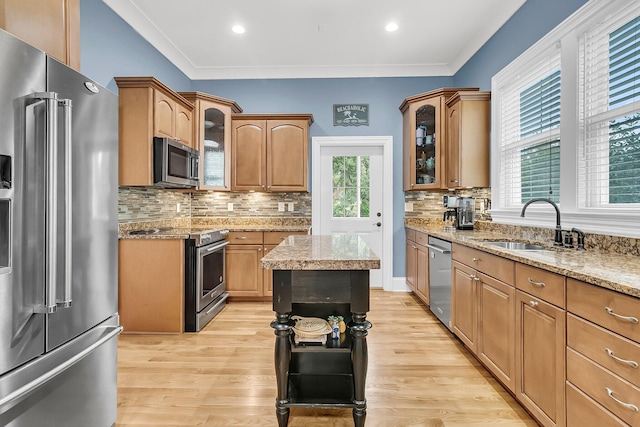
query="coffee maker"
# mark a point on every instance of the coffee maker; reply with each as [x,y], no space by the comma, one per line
[461,209]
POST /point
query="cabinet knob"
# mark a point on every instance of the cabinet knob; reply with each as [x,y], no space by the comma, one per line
[259,249]
[533,304]
[475,259]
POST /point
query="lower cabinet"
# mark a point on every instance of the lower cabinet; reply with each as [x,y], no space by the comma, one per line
[540,358]
[417,264]
[504,313]
[496,330]
[411,259]
[464,304]
[245,277]
[151,285]
[603,355]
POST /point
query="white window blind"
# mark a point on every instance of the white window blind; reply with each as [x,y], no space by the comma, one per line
[609,113]
[529,133]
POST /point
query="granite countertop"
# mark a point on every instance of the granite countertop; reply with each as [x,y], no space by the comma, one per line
[607,270]
[325,252]
[181,229]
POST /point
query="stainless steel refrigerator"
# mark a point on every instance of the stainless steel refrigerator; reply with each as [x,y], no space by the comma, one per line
[58,243]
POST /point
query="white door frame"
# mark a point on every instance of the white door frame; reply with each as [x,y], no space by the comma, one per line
[386,142]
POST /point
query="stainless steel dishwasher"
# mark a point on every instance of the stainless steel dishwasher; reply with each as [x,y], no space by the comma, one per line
[440,279]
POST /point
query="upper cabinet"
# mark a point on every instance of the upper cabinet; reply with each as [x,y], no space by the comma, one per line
[212,136]
[270,152]
[426,129]
[50,25]
[148,108]
[468,142]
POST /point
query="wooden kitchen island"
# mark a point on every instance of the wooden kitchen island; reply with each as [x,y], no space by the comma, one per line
[321,276]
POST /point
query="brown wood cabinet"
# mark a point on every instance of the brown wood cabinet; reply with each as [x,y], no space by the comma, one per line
[464,305]
[151,285]
[50,25]
[497,329]
[468,139]
[245,277]
[270,152]
[411,259]
[540,359]
[417,276]
[148,108]
[212,137]
[603,355]
[424,134]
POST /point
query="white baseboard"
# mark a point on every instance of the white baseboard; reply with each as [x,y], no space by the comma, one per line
[399,284]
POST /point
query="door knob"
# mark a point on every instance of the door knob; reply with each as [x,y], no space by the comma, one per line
[379,224]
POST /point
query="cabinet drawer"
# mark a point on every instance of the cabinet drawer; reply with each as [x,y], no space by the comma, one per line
[422,238]
[542,284]
[609,390]
[491,265]
[609,309]
[616,353]
[245,237]
[585,412]
[411,235]
[276,237]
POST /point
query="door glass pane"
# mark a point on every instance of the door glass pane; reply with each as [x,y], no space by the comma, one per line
[350,186]
[214,149]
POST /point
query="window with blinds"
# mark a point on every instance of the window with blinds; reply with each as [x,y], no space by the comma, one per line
[530,132]
[609,113]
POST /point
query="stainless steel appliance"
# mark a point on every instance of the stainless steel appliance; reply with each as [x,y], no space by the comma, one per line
[204,286]
[461,210]
[58,243]
[440,279]
[465,213]
[174,165]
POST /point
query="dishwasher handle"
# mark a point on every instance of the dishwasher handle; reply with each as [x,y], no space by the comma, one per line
[439,249]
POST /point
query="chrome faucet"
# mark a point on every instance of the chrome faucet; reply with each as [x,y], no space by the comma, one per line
[557,241]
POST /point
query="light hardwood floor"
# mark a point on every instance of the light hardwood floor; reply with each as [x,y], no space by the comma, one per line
[419,375]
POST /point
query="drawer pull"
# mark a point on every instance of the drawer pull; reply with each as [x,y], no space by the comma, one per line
[631,363]
[627,318]
[533,304]
[534,283]
[475,259]
[631,406]
[241,238]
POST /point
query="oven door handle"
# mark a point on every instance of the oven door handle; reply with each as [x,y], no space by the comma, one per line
[215,247]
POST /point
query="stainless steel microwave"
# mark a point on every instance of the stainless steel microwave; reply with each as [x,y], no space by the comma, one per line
[174,165]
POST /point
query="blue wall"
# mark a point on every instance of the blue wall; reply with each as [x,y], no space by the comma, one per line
[109,48]
[528,25]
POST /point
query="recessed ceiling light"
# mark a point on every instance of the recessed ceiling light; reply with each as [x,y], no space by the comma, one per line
[391,26]
[238,29]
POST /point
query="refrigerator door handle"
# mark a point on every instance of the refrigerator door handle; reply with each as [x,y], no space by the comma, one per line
[51,101]
[42,379]
[68,209]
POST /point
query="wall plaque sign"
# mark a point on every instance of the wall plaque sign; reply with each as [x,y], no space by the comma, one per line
[351,114]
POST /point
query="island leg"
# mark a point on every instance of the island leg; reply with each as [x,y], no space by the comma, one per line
[359,362]
[282,357]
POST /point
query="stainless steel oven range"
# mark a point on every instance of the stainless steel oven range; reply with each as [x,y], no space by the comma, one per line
[204,285]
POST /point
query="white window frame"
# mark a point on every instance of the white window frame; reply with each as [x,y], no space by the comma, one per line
[624,221]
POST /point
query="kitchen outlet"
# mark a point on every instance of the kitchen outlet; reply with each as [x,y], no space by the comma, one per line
[408,206]
[290,206]
[280,206]
[177,207]
[230,207]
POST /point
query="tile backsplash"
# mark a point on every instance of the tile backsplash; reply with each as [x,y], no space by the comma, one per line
[155,204]
[428,204]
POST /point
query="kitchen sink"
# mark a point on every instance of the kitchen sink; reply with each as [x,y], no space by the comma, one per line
[518,246]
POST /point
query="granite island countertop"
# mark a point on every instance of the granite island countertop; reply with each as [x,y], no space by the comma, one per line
[617,272]
[321,252]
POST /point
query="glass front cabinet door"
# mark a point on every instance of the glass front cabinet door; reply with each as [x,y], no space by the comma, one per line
[212,131]
[424,139]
